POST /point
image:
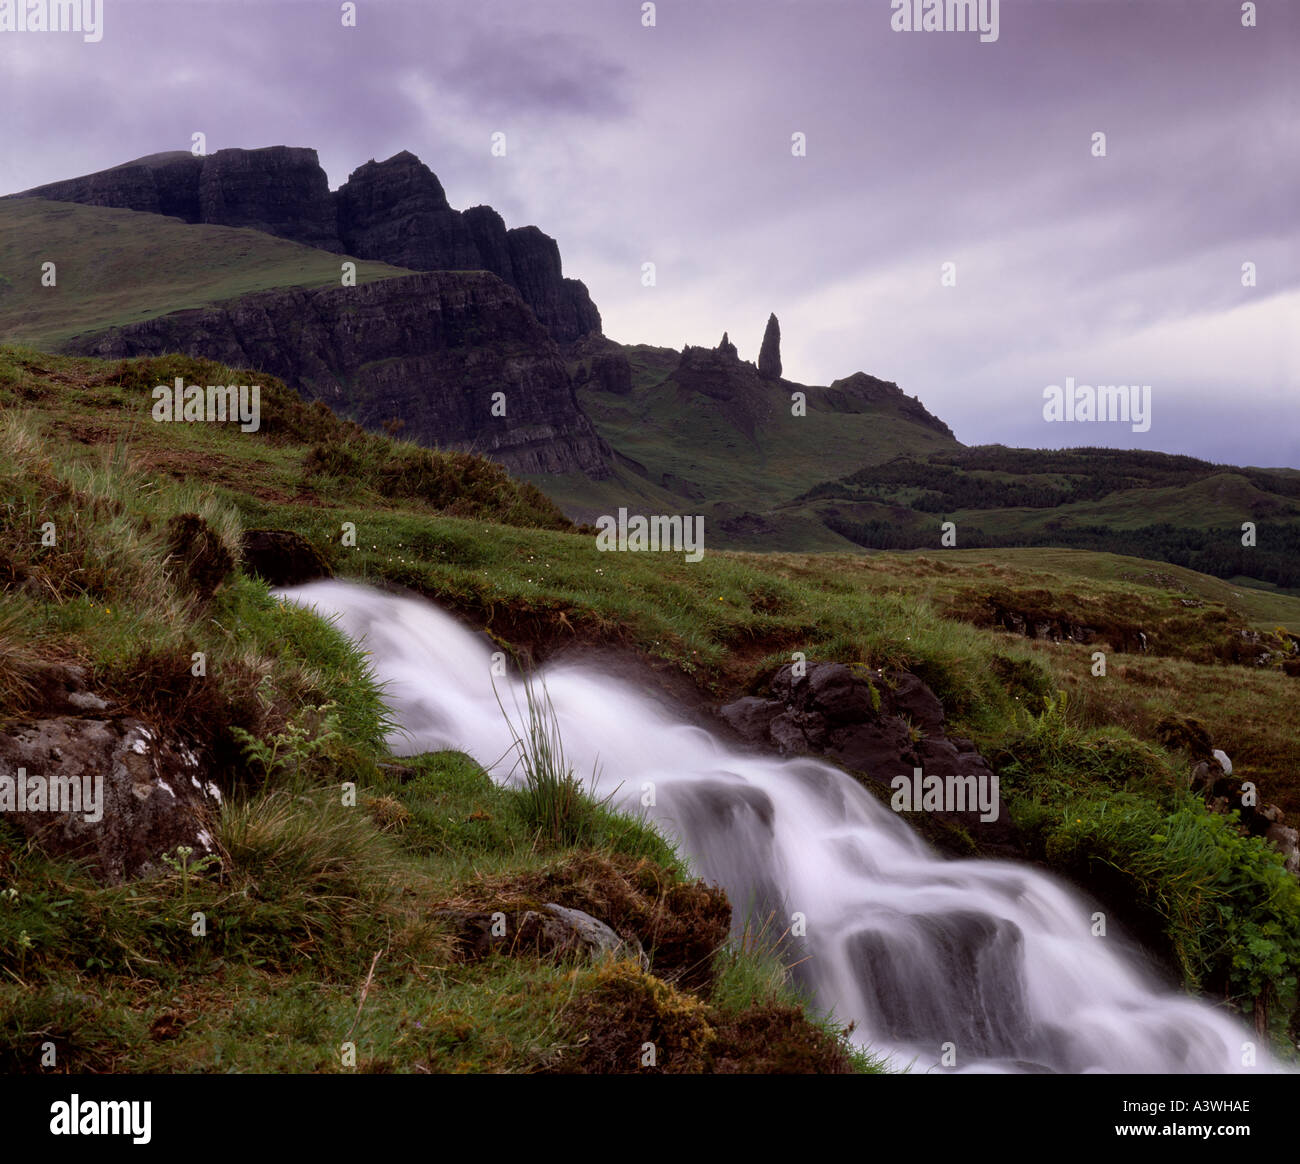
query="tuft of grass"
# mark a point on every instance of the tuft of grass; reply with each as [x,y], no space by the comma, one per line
[551,799]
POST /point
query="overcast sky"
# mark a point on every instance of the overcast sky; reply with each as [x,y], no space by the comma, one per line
[672,144]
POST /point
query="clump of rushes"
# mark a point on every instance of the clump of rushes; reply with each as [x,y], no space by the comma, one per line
[552,799]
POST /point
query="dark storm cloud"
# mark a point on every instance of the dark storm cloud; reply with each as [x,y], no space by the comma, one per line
[671,145]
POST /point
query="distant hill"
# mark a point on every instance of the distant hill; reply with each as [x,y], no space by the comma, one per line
[236,257]
[1146,504]
[700,430]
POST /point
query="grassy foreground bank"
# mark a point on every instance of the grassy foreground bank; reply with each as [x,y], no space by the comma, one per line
[326,931]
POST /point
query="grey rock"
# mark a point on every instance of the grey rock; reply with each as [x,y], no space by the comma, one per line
[146,795]
[593,937]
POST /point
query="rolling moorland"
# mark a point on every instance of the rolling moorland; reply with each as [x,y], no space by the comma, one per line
[331,924]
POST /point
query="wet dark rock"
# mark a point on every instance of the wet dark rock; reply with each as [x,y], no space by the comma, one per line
[971,960]
[880,725]
[281,557]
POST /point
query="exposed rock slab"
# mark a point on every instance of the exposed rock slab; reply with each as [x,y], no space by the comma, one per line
[138,796]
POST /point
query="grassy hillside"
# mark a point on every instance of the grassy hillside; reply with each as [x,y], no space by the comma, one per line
[1093,778]
[115,267]
[743,461]
[1177,509]
[735,457]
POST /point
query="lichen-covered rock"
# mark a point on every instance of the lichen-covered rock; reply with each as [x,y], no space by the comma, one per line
[553,931]
[110,791]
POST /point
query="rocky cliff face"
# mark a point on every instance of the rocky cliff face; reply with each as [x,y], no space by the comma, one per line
[395,211]
[166,183]
[280,190]
[431,349]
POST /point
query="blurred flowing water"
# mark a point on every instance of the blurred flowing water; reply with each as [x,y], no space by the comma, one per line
[995,958]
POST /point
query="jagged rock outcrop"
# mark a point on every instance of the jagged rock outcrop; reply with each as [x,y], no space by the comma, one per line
[397,211]
[394,211]
[727,383]
[562,305]
[612,372]
[280,190]
[716,372]
[769,356]
[431,349]
[164,183]
[487,231]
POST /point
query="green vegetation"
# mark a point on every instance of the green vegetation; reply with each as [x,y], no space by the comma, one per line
[731,458]
[326,945]
[1149,505]
[100,253]
[1111,810]
[888,481]
[315,900]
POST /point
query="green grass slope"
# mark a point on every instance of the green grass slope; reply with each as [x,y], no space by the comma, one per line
[1174,508]
[115,267]
[736,460]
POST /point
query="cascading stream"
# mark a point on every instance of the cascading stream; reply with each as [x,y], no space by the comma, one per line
[994,958]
